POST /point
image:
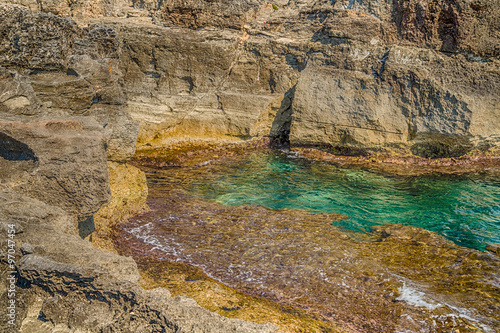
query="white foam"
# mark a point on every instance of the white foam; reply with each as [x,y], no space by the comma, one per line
[147,235]
[466,314]
[415,298]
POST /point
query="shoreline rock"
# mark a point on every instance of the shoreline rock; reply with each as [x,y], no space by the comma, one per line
[80,82]
[63,132]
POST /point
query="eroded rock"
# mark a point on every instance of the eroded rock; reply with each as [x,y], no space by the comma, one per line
[65,284]
[60,173]
[364,72]
[128,197]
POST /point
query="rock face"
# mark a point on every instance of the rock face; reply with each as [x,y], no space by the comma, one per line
[399,102]
[78,77]
[63,284]
[63,125]
[55,157]
[128,197]
[73,72]
[367,72]
[180,85]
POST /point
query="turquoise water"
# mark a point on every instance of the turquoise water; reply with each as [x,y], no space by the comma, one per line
[464,209]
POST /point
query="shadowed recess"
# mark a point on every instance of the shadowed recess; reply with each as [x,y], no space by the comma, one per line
[14,150]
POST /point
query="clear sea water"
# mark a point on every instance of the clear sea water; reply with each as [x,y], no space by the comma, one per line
[464,209]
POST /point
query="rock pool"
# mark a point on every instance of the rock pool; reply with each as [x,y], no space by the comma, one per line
[464,209]
[390,277]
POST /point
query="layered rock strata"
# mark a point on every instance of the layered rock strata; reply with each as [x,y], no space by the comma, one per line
[341,72]
[64,133]
[78,77]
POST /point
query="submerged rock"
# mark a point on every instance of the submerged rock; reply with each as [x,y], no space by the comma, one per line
[395,278]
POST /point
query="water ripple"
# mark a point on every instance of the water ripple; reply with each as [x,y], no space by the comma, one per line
[465,209]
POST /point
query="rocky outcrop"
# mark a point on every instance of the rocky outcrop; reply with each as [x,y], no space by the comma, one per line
[73,72]
[63,284]
[128,197]
[450,26]
[345,72]
[179,85]
[399,102]
[50,162]
[54,174]
[64,133]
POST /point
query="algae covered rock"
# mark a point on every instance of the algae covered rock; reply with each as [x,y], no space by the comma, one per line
[128,197]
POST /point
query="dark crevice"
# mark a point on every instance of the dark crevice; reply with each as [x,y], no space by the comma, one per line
[96,99]
[351,3]
[189,80]
[71,72]
[434,145]
[14,150]
[383,61]
[448,28]
[154,75]
[41,317]
[280,130]
[86,227]
[439,150]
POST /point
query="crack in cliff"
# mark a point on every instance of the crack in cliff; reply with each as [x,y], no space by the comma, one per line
[383,60]
[280,128]
[236,58]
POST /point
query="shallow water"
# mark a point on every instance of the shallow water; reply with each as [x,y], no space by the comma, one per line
[394,278]
[464,209]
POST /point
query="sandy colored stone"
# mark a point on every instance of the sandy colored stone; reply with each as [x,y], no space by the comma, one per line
[68,285]
[77,76]
[344,72]
[128,197]
[64,164]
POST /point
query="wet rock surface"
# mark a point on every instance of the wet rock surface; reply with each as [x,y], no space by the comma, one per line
[396,278]
[401,162]
[128,197]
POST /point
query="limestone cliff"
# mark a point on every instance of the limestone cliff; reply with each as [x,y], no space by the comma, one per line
[364,72]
